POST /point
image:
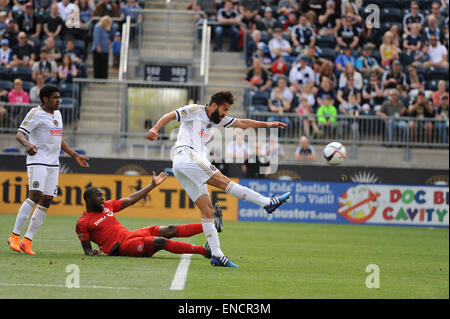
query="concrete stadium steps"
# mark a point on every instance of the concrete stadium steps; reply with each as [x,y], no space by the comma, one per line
[162,4]
[101,108]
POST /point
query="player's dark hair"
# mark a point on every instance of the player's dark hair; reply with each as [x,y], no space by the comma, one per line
[89,192]
[222,97]
[47,91]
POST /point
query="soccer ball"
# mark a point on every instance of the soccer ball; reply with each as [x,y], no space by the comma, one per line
[334,153]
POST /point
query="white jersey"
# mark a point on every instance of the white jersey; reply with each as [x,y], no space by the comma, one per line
[196,129]
[44,130]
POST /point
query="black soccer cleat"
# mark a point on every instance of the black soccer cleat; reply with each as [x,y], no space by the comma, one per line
[218,222]
[208,249]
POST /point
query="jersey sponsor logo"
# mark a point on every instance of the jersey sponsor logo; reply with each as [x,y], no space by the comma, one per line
[204,134]
[108,213]
[56,132]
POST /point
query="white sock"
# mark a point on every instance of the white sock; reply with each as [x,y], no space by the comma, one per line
[247,194]
[36,222]
[212,236]
[23,215]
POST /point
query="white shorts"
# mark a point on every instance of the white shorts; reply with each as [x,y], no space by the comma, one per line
[43,179]
[193,171]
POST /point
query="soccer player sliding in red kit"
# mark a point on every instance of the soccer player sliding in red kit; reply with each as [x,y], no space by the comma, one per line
[99,225]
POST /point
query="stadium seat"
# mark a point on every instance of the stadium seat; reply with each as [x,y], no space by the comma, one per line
[4,73]
[11,150]
[391,4]
[66,89]
[80,151]
[260,101]
[7,85]
[27,85]
[368,2]
[326,41]
[327,53]
[436,74]
[432,85]
[68,109]
[391,15]
[20,72]
[406,4]
[386,26]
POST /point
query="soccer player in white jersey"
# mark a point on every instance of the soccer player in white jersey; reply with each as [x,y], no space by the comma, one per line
[41,134]
[193,170]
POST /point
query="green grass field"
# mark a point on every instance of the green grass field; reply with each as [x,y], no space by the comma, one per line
[277,260]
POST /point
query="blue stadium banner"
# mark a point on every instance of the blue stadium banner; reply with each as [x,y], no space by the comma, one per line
[350,203]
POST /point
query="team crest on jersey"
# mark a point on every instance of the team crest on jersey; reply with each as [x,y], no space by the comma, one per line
[183,113]
[35,184]
[140,248]
[208,126]
[212,167]
[55,122]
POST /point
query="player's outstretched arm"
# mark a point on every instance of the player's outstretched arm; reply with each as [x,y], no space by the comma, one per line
[135,197]
[80,159]
[88,251]
[152,134]
[246,123]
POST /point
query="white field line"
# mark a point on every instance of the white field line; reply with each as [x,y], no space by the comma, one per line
[181,274]
[64,286]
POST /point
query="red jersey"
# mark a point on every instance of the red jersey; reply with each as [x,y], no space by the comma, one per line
[102,228]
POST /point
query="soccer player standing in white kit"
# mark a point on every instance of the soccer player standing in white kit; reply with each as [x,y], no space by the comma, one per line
[193,170]
[41,134]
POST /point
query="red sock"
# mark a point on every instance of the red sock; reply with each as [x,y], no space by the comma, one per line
[179,247]
[189,230]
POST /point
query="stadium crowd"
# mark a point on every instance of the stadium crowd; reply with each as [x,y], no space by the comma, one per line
[326,57]
[47,41]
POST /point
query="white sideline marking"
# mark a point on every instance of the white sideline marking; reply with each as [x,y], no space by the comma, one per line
[180,275]
[64,286]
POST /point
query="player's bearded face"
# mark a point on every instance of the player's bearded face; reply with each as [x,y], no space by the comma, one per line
[216,117]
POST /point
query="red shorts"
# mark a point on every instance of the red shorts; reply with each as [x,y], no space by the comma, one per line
[139,243]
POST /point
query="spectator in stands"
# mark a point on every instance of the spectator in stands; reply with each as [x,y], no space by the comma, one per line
[372,93]
[86,9]
[229,20]
[441,126]
[136,17]
[23,52]
[280,46]
[206,10]
[393,108]
[115,49]
[18,6]
[258,77]
[4,7]
[329,22]
[278,105]
[3,25]
[351,73]
[67,70]
[238,149]
[438,53]
[422,109]
[325,88]
[415,81]
[286,93]
[65,8]
[267,23]
[422,56]
[252,46]
[327,117]
[248,25]
[108,8]
[389,51]
[351,10]
[74,54]
[252,5]
[54,53]
[302,35]
[432,29]
[45,66]
[17,94]
[304,109]
[53,24]
[395,79]
[441,91]
[301,77]
[30,23]
[326,70]
[414,17]
[349,104]
[34,91]
[343,59]
[272,148]
[5,53]
[11,32]
[100,47]
[279,66]
[305,151]
[290,23]
[42,5]
[348,35]
[285,7]
[366,64]
[436,12]
[413,41]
